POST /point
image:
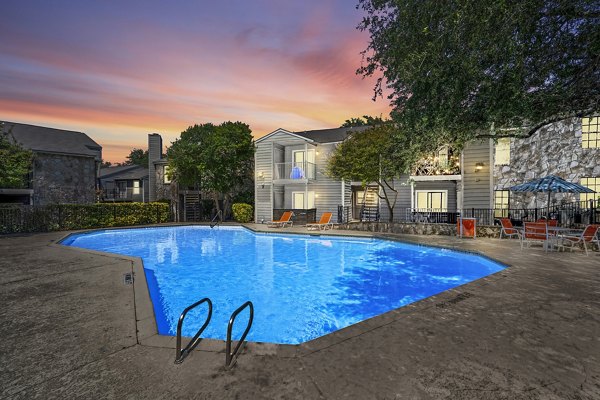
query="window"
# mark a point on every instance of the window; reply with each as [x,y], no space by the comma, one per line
[501,203]
[166,172]
[136,187]
[592,183]
[502,152]
[431,200]
[443,157]
[300,201]
[590,134]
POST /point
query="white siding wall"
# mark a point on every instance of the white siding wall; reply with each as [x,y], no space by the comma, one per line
[278,148]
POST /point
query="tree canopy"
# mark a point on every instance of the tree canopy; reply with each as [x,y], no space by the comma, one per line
[15,163]
[217,158]
[137,157]
[370,157]
[466,68]
[362,121]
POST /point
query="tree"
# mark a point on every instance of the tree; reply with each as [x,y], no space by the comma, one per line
[217,158]
[467,68]
[105,164]
[137,157]
[15,163]
[370,156]
[364,121]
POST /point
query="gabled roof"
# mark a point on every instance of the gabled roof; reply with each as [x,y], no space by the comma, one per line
[281,130]
[332,135]
[49,140]
[123,172]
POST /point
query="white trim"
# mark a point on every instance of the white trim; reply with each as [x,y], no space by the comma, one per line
[423,178]
[281,130]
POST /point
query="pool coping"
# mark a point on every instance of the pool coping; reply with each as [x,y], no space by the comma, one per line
[147,330]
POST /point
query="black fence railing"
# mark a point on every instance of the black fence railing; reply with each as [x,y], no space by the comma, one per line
[22,218]
[576,213]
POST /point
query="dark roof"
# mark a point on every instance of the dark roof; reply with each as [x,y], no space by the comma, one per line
[330,135]
[49,140]
[123,172]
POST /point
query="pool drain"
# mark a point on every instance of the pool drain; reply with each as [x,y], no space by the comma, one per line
[128,279]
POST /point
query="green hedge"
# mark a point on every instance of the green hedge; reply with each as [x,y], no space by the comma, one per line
[242,212]
[15,219]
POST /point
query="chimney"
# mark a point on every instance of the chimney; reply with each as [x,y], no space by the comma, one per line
[154,154]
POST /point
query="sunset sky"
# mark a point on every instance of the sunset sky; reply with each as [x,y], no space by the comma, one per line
[119,70]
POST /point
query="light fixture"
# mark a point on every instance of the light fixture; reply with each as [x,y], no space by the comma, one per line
[478,166]
[261,177]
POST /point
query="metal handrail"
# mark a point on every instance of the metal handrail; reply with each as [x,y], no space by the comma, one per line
[181,354]
[231,357]
[212,222]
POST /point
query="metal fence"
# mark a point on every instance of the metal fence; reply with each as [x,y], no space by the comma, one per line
[24,218]
[576,213]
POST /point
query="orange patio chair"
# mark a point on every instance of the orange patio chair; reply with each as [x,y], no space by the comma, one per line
[535,232]
[508,229]
[589,235]
[285,220]
[324,223]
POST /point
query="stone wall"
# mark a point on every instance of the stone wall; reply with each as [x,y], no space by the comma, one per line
[63,179]
[553,150]
[417,228]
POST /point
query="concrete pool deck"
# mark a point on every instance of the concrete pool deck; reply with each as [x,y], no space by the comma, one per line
[70,328]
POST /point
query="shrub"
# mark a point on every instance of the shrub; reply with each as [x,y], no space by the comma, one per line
[80,216]
[242,212]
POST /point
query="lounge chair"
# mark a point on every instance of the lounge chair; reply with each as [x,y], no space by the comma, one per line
[286,219]
[535,232]
[324,223]
[589,235]
[508,229]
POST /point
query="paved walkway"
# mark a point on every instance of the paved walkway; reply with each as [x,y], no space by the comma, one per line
[68,330]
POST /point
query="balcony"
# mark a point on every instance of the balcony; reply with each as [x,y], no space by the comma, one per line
[431,166]
[292,172]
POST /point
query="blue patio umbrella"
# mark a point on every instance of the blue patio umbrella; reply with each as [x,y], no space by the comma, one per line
[550,184]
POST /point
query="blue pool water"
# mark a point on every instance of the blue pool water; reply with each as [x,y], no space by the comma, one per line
[302,287]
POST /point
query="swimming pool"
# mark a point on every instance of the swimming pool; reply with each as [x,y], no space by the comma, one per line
[302,286]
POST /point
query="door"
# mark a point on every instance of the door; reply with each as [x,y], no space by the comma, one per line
[298,200]
[298,165]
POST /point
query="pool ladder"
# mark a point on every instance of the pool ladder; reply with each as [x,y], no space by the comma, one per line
[214,222]
[230,356]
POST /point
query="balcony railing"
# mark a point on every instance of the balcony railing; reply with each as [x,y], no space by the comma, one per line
[129,194]
[295,170]
[434,166]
